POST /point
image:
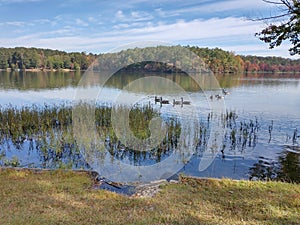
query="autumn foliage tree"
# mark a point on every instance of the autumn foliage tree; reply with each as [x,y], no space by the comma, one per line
[284,26]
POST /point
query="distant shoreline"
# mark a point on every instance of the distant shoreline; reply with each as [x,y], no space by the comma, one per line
[216,60]
[38,70]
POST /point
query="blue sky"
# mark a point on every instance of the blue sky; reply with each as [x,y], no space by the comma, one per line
[99,26]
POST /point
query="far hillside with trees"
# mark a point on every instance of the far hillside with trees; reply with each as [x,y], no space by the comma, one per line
[217,60]
[34,58]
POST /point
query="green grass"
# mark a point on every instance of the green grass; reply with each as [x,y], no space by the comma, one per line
[58,197]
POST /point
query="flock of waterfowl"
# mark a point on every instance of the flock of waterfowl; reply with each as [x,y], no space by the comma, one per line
[162,101]
[218,96]
[175,102]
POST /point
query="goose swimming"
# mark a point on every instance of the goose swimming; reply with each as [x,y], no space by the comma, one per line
[185,102]
[164,101]
[176,102]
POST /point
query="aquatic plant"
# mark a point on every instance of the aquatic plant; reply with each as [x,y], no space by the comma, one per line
[49,130]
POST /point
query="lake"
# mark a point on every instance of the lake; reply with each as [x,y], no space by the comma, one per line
[260,141]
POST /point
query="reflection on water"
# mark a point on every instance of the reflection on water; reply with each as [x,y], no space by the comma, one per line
[59,79]
[38,80]
[120,80]
[43,137]
[285,168]
[47,80]
[289,162]
[261,139]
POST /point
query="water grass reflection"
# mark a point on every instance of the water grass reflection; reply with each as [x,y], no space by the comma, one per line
[43,137]
[48,131]
[287,168]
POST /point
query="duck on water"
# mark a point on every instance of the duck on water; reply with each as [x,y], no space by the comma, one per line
[225,92]
[185,102]
[176,102]
[165,101]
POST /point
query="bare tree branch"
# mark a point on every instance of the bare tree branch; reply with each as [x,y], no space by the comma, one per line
[271,17]
[271,2]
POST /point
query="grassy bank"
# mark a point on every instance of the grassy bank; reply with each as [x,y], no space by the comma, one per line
[68,198]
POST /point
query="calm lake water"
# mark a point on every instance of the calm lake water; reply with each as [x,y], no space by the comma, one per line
[271,103]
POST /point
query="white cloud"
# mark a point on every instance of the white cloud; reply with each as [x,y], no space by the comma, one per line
[195,29]
[13,23]
[140,16]
[18,1]
[80,22]
[92,19]
[132,25]
[56,20]
[162,13]
[134,16]
[42,21]
[234,34]
[17,23]
[220,6]
[119,15]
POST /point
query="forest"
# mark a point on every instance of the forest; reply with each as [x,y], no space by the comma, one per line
[35,58]
[217,60]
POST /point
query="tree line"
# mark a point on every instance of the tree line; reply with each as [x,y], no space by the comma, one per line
[217,60]
[254,64]
[220,61]
[34,58]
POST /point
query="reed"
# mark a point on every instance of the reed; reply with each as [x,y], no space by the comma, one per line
[49,130]
[239,134]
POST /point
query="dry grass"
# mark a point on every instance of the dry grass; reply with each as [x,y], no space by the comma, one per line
[67,198]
